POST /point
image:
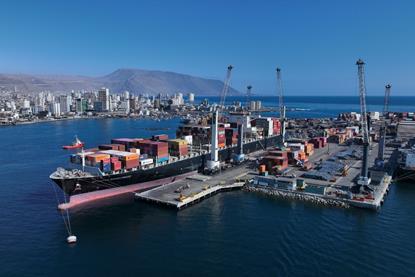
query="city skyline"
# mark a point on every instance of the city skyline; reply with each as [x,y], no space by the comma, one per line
[316,44]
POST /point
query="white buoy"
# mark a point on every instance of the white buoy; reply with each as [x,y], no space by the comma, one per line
[71,239]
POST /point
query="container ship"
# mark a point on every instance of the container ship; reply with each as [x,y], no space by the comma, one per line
[131,161]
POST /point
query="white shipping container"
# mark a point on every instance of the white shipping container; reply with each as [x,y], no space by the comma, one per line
[189,139]
[296,146]
[135,150]
[146,161]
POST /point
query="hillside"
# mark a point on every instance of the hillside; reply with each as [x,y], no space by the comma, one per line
[133,80]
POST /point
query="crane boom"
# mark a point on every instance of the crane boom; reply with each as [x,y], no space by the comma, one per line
[248,96]
[281,103]
[386,101]
[365,131]
[382,130]
[225,89]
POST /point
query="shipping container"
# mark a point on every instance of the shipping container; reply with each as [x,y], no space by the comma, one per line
[127,142]
[105,166]
[160,137]
[97,157]
[129,164]
[116,165]
[146,162]
[122,155]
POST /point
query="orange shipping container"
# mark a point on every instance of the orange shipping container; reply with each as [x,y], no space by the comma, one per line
[97,157]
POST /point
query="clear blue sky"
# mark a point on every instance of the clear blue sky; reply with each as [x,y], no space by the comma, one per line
[316,43]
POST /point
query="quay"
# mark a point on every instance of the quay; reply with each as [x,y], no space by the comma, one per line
[194,188]
[336,189]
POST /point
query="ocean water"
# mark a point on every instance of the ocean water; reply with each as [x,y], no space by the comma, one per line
[325,106]
[231,234]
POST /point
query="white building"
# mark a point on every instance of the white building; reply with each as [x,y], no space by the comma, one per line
[56,109]
[191,97]
[26,104]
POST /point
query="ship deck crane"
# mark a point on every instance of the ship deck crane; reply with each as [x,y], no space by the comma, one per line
[382,131]
[364,179]
[282,108]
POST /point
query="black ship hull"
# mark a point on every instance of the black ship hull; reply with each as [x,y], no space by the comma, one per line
[404,174]
[72,186]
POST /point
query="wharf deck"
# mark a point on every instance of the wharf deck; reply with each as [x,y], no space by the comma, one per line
[380,186]
[194,188]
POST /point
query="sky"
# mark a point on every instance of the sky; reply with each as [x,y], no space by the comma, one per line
[316,43]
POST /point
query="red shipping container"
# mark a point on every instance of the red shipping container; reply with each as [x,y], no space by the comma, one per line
[115,166]
[160,137]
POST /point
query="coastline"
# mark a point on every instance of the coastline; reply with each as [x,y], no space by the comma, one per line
[22,123]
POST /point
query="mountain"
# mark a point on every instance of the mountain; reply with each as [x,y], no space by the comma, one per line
[134,80]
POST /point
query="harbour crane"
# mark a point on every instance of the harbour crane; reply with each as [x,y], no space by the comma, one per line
[364,179]
[281,104]
[248,96]
[225,89]
[214,164]
[382,130]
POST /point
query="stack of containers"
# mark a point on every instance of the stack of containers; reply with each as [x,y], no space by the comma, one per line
[293,157]
[127,142]
[156,149]
[105,165]
[178,147]
[115,164]
[96,158]
[275,162]
[162,137]
[221,137]
[277,126]
[128,160]
[113,146]
[267,124]
[316,142]
[323,141]
[309,149]
[231,136]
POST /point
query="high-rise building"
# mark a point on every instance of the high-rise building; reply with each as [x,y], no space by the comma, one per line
[258,105]
[65,102]
[104,98]
[126,95]
[81,105]
[56,109]
[191,97]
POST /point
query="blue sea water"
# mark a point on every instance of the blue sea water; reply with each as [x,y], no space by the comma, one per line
[233,234]
[325,106]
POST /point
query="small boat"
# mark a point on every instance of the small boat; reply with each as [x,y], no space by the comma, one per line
[76,144]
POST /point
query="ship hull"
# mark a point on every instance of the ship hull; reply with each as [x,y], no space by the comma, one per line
[404,174]
[72,186]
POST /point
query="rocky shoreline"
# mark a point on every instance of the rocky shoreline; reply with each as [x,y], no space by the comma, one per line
[298,196]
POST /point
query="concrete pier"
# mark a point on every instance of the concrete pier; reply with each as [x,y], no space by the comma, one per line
[194,188]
